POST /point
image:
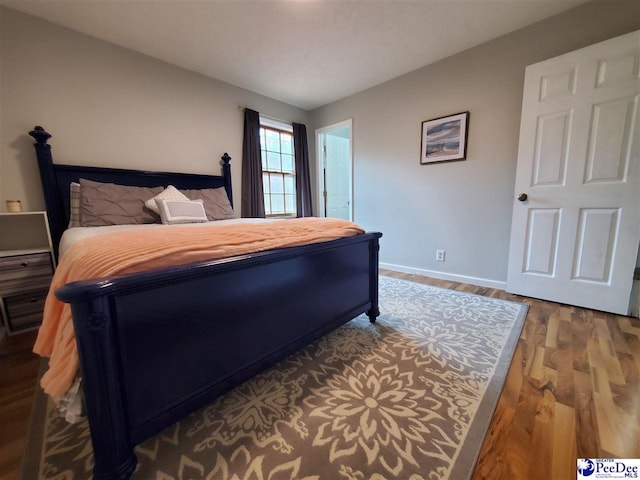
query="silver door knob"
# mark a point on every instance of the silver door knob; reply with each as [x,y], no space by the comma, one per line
[522,197]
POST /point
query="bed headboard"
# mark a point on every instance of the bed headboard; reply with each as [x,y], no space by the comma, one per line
[56,179]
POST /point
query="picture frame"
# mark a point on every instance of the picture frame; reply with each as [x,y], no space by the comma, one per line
[444,139]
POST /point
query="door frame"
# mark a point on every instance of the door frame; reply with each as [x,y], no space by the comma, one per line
[320,134]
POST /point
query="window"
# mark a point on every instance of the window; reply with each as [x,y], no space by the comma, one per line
[278,172]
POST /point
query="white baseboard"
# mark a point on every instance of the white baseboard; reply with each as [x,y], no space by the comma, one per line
[482,282]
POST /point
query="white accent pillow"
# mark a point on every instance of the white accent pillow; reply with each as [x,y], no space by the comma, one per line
[178,211]
[169,193]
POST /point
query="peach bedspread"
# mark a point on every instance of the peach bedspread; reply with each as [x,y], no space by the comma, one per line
[134,251]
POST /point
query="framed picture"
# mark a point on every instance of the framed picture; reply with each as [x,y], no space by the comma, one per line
[444,139]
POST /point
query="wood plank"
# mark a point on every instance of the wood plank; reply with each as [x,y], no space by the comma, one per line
[541,447]
[495,457]
[587,438]
[608,355]
[565,334]
[617,435]
[551,339]
[563,456]
[17,387]
[561,361]
[537,369]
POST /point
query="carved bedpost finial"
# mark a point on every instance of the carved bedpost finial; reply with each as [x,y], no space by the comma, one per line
[40,134]
[226,174]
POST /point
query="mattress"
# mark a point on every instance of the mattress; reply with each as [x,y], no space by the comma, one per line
[72,235]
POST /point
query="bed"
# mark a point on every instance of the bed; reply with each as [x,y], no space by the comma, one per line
[156,345]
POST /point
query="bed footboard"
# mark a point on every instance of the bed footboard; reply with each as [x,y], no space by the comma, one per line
[158,345]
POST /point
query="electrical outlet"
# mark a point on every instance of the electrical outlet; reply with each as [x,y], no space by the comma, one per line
[440,255]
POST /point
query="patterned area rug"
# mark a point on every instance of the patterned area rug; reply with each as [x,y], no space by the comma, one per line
[410,397]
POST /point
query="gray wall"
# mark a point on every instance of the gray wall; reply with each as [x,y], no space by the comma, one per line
[108,106]
[462,207]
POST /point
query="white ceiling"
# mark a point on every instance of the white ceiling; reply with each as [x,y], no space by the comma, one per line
[303,52]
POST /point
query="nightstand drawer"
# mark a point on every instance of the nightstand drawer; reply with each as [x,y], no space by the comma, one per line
[24,266]
[25,310]
[21,285]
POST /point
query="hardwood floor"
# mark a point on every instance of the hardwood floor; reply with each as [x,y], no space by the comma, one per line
[573,391]
[18,373]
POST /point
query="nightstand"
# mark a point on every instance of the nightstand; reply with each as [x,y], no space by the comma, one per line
[26,267]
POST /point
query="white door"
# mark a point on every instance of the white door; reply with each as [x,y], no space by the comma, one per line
[335,171]
[338,178]
[575,238]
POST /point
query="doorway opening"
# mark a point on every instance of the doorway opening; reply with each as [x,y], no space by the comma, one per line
[335,170]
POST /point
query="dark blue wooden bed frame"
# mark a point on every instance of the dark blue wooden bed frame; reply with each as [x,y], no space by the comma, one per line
[157,345]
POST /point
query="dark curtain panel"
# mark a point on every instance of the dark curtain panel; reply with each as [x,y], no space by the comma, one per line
[303,182]
[252,191]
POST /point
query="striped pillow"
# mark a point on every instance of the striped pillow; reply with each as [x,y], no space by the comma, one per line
[74,204]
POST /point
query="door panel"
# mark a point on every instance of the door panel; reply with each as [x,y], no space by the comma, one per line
[542,241]
[552,149]
[610,136]
[575,239]
[597,231]
[616,69]
[558,83]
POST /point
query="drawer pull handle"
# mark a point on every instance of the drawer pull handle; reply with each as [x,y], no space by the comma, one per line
[33,300]
[24,264]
